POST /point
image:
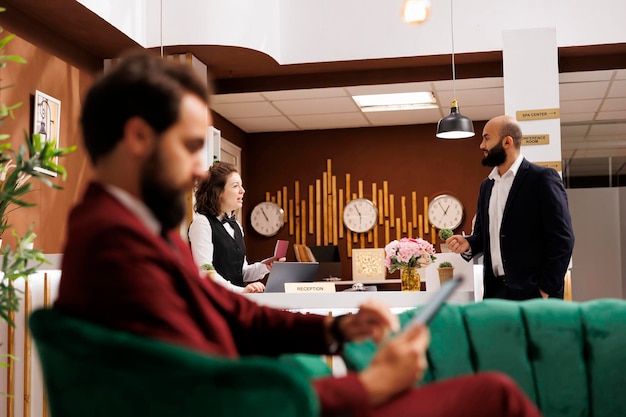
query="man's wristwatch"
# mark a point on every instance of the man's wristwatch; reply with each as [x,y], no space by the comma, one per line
[337,334]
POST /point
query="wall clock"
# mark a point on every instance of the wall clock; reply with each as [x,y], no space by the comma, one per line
[267,218]
[445,212]
[360,215]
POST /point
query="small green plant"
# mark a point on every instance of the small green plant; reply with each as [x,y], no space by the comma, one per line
[446,264]
[444,234]
[207,267]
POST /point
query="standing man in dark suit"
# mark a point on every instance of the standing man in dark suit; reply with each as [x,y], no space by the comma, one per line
[523,226]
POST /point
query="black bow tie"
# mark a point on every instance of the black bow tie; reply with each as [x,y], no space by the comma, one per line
[230,220]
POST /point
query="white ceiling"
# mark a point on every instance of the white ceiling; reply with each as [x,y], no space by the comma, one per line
[593,112]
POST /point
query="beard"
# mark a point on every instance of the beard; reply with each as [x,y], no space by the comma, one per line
[167,203]
[495,156]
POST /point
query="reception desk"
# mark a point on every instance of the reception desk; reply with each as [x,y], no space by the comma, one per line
[341,302]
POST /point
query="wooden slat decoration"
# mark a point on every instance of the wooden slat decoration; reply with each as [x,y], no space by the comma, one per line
[288,210]
[27,299]
[291,230]
[362,240]
[329,199]
[268,196]
[311,209]
[392,209]
[369,236]
[398,229]
[375,237]
[410,230]
[426,215]
[414,207]
[387,240]
[336,222]
[296,195]
[386,198]
[360,185]
[341,206]
[318,212]
[420,227]
[403,212]
[433,235]
[348,192]
[297,228]
[349,243]
[381,212]
[303,222]
[279,201]
[325,208]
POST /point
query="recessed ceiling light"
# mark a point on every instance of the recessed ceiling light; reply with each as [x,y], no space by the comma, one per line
[397,101]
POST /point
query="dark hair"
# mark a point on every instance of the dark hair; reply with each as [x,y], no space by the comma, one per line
[142,84]
[209,190]
[510,127]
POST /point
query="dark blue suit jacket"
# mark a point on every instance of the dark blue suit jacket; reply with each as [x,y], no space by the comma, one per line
[536,236]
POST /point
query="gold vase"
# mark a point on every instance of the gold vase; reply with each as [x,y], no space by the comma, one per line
[410,279]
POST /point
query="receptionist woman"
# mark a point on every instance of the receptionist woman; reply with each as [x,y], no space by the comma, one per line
[215,235]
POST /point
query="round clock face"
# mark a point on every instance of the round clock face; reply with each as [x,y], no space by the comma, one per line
[445,212]
[267,218]
[360,215]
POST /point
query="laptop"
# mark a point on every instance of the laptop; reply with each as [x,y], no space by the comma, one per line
[283,272]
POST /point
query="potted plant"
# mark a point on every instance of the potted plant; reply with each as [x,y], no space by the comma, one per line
[33,161]
[446,271]
[444,234]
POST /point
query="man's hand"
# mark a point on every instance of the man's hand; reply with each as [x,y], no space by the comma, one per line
[397,365]
[254,287]
[543,294]
[457,244]
[374,319]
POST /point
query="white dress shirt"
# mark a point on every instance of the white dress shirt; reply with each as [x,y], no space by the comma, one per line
[201,239]
[497,201]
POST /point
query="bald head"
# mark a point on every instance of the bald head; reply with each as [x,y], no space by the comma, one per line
[507,126]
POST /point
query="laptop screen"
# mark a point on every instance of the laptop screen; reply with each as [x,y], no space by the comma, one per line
[283,272]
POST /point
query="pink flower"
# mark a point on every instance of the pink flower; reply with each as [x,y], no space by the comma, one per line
[408,252]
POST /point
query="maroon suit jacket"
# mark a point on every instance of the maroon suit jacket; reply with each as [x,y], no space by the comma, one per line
[119,274]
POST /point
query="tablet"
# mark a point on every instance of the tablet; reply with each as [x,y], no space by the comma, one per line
[426,314]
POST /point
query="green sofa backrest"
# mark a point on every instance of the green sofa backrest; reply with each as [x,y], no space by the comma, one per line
[570,358]
[94,371]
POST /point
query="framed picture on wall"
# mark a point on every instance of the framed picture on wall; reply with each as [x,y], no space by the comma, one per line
[47,119]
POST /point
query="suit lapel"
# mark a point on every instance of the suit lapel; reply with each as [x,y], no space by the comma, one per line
[516,186]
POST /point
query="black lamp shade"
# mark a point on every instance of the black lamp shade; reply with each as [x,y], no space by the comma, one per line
[455,126]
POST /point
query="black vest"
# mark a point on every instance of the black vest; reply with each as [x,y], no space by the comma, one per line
[228,253]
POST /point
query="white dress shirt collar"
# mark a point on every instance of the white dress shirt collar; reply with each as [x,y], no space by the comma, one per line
[136,206]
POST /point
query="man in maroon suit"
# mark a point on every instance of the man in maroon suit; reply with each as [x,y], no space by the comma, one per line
[125,266]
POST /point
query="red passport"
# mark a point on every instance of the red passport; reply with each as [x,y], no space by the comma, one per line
[280,251]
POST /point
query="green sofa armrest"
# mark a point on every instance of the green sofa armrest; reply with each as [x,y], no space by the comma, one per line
[90,370]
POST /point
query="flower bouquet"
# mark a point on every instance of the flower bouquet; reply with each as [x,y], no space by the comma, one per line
[407,255]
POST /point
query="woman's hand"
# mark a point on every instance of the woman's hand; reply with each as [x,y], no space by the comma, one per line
[269,265]
[254,287]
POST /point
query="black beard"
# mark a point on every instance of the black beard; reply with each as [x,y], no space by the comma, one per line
[495,156]
[166,203]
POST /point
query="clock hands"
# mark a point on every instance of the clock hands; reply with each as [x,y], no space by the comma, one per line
[445,210]
[264,215]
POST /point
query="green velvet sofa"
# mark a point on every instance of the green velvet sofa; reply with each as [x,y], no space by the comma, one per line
[570,358]
[93,371]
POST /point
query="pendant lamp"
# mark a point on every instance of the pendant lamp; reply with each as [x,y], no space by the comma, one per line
[454,126]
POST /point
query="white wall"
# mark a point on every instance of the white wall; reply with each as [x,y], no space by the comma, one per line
[299,31]
[599,220]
